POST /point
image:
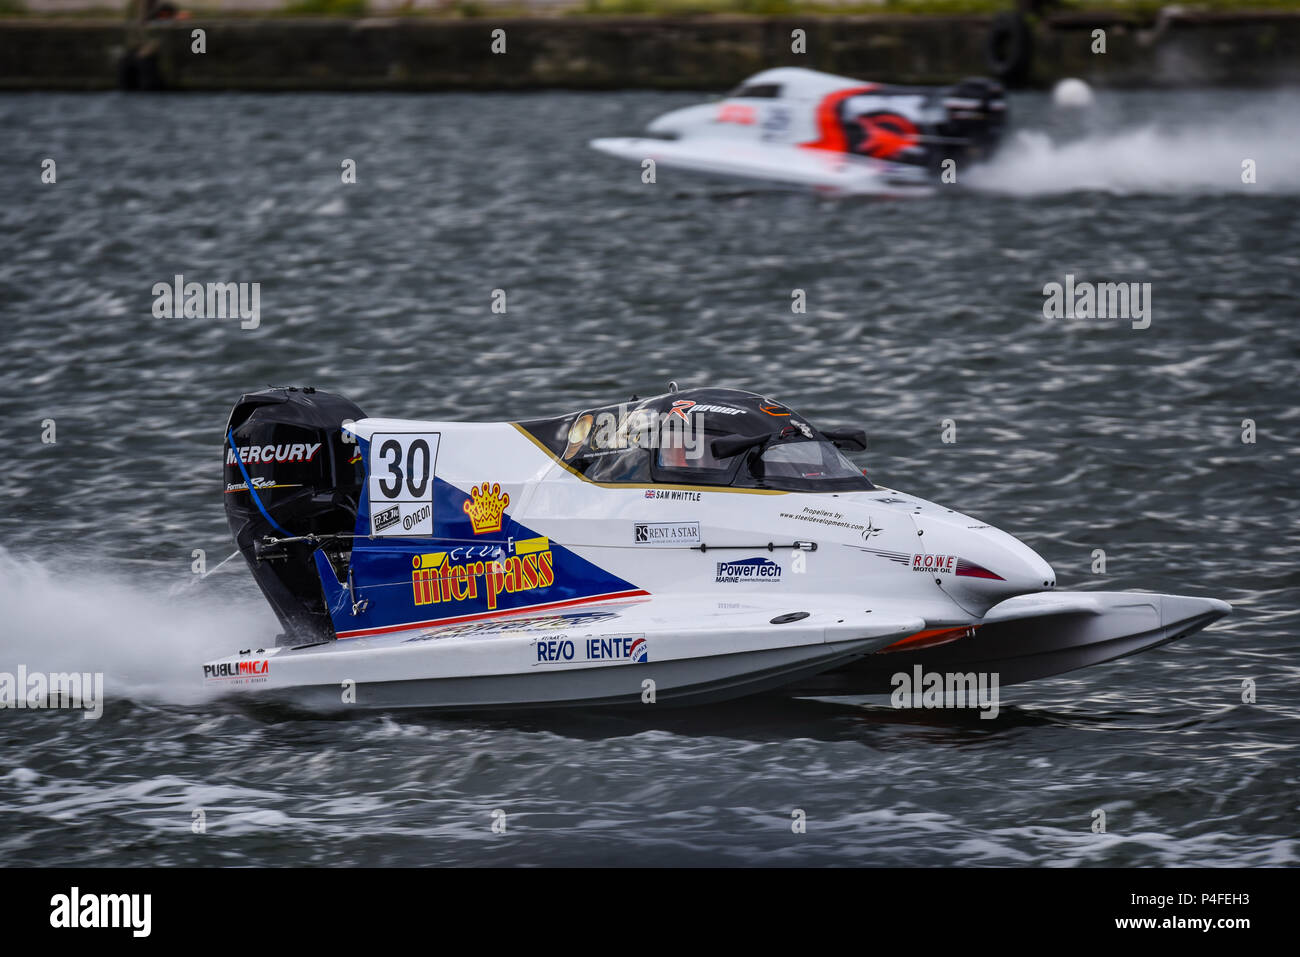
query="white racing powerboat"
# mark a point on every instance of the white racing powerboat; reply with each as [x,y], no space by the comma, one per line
[689,547]
[803,128]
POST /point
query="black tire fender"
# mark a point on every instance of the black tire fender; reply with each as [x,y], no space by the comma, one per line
[1008,48]
[149,77]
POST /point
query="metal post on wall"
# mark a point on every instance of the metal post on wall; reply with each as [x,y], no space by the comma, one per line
[137,65]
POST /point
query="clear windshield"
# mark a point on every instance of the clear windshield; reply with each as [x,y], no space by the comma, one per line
[816,466]
[812,466]
[812,461]
[761,91]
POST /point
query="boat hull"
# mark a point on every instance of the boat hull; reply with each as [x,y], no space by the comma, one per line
[785,165]
[607,656]
[679,683]
[1033,637]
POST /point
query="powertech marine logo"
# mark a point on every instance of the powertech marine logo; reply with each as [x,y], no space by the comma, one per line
[435,580]
[253,669]
[748,570]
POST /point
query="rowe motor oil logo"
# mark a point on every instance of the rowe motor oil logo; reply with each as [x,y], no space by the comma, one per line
[748,570]
[950,565]
[434,579]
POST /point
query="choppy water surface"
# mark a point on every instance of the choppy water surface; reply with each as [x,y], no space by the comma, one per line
[1073,434]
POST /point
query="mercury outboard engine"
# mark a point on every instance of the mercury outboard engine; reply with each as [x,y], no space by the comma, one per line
[923,126]
[976,111]
[290,474]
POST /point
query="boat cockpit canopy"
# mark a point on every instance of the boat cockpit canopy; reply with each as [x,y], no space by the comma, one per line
[718,437]
[756,91]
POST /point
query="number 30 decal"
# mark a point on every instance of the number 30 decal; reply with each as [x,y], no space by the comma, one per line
[418,460]
[402,467]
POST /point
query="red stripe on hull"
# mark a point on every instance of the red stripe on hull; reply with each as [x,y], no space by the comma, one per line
[828,121]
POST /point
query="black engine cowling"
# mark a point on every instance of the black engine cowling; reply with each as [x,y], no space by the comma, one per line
[976,110]
[306,479]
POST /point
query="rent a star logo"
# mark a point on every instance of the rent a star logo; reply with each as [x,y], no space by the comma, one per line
[485,507]
[870,530]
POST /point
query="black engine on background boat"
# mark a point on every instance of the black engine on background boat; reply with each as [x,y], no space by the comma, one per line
[976,111]
[965,123]
[289,473]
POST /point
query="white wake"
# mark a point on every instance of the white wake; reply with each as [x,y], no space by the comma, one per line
[69,614]
[1176,156]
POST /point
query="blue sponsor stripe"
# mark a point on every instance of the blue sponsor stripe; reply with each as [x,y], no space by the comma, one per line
[248,484]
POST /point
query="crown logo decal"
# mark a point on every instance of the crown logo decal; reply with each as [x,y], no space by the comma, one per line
[485,507]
